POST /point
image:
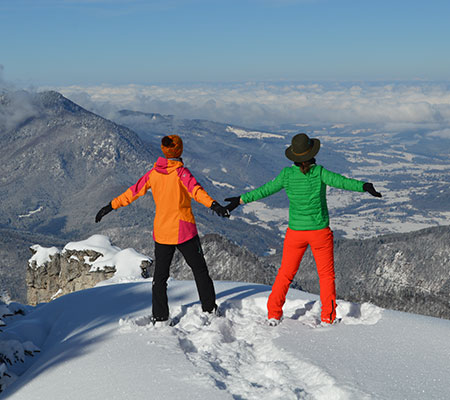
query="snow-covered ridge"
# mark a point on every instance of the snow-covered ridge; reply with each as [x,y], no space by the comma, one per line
[42,255]
[102,337]
[81,265]
[126,262]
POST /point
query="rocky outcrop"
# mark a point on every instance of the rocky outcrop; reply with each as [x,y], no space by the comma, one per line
[62,274]
[67,271]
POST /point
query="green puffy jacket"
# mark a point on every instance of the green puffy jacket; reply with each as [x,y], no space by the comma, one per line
[307,194]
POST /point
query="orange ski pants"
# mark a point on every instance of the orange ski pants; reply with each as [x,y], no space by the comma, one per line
[295,245]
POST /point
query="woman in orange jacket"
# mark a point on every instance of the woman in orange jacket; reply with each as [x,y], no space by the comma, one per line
[173,186]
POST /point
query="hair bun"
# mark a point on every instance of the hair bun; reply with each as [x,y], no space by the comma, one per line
[167,142]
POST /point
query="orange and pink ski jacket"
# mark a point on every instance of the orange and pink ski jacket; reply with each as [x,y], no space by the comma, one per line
[173,186]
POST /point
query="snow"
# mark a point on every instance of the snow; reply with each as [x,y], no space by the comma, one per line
[265,215]
[59,291]
[127,262]
[252,222]
[271,252]
[243,133]
[222,184]
[42,254]
[31,213]
[98,243]
[98,344]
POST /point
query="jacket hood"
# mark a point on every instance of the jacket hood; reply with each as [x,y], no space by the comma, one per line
[167,166]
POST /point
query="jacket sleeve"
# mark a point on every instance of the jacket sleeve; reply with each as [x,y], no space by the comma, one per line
[194,188]
[132,193]
[341,182]
[265,190]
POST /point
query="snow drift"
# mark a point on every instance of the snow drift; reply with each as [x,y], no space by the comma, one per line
[98,344]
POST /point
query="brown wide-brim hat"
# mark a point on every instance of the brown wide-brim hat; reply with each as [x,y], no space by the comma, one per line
[302,148]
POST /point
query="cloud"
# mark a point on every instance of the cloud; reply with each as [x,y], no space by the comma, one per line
[443,134]
[271,104]
[15,106]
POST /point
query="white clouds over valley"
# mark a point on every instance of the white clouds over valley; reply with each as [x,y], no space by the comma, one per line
[15,107]
[395,106]
[444,133]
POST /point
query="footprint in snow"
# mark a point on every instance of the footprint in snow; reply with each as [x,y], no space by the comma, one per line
[236,352]
[347,313]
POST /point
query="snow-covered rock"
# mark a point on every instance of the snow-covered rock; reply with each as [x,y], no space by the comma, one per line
[80,265]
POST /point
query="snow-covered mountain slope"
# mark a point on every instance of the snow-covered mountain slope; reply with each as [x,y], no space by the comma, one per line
[61,163]
[98,344]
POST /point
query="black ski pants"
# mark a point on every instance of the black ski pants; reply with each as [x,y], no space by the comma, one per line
[193,254]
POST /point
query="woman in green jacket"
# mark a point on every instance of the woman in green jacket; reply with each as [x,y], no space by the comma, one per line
[305,184]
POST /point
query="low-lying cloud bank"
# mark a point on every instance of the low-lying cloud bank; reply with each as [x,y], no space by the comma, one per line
[393,106]
[15,105]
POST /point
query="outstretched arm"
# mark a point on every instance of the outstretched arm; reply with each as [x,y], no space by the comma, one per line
[131,194]
[341,182]
[265,190]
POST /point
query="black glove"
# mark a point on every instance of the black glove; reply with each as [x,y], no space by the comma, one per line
[220,210]
[234,203]
[368,187]
[105,210]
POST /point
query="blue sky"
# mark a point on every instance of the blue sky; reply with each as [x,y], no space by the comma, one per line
[112,42]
